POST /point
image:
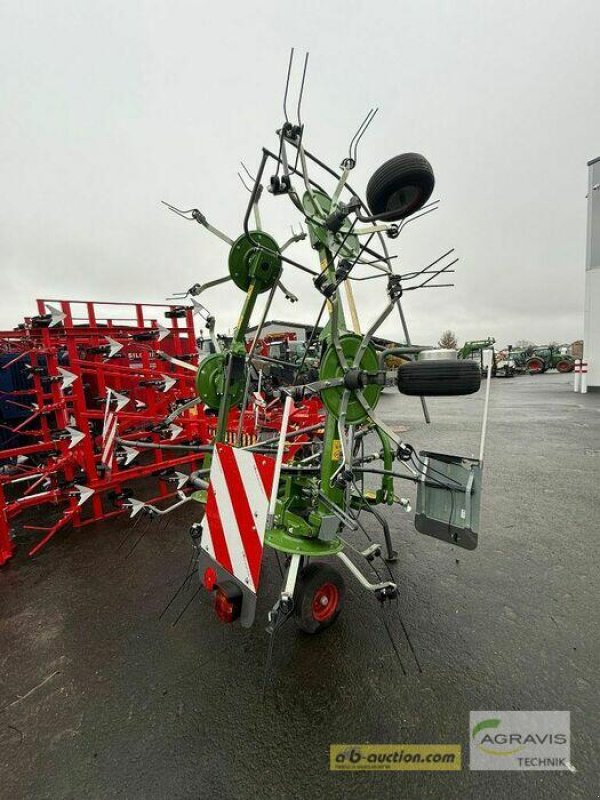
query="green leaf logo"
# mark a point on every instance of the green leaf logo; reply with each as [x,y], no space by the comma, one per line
[485,723]
[492,723]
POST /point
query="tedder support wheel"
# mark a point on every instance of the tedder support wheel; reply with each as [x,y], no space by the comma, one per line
[401,186]
[443,378]
[318,598]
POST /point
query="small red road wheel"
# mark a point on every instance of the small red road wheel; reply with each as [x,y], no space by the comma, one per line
[565,365]
[318,598]
[535,366]
[325,602]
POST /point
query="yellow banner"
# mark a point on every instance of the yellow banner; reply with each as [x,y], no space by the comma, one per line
[394,757]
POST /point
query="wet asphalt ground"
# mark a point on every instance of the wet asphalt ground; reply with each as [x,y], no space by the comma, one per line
[100,697]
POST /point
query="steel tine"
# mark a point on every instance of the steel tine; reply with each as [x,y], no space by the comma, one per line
[362,133]
[302,90]
[287,85]
[360,127]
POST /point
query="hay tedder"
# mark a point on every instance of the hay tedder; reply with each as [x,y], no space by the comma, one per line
[107,402]
[300,501]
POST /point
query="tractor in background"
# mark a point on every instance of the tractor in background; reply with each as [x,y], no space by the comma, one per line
[549,357]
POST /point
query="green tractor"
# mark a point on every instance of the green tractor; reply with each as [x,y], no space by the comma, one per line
[549,357]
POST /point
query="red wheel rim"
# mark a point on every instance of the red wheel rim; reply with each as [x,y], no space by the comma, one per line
[325,602]
[535,366]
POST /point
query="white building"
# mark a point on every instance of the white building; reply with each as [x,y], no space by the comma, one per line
[282,326]
[591,334]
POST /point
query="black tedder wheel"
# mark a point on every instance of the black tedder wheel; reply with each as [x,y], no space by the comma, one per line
[401,186]
[444,378]
[318,598]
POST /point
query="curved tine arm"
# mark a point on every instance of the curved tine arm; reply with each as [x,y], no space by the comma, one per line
[408,220]
[383,269]
[431,286]
[388,216]
[253,199]
[162,511]
[288,295]
[426,209]
[185,214]
[376,261]
[435,275]
[295,237]
[287,84]
[244,184]
[248,173]
[301,93]
[180,409]
[360,127]
[427,268]
[369,120]
[198,216]
[199,288]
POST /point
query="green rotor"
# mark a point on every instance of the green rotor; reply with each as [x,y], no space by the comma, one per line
[210,381]
[331,368]
[249,263]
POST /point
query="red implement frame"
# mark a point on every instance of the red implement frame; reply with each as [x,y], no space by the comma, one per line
[102,379]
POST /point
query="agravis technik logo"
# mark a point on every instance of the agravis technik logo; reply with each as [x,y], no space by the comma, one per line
[520,740]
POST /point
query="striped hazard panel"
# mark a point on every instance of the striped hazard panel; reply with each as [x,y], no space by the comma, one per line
[236,511]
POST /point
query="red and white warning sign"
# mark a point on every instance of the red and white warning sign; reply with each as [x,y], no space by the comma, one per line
[237,504]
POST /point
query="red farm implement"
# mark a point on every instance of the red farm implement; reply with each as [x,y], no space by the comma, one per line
[97,396]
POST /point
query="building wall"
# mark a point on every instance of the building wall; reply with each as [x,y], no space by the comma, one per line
[591,335]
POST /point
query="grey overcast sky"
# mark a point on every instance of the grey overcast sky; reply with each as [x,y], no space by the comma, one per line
[110,106]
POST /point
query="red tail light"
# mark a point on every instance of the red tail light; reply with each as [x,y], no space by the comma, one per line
[210,578]
[228,601]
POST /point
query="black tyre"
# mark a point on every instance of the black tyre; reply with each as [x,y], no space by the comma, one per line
[443,378]
[564,365]
[400,187]
[536,365]
[318,598]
